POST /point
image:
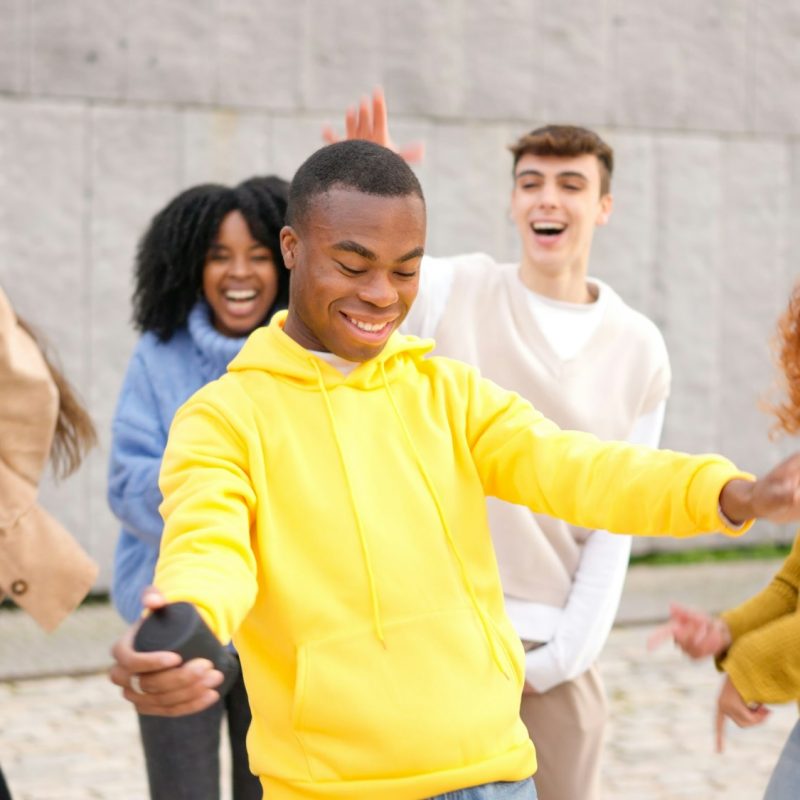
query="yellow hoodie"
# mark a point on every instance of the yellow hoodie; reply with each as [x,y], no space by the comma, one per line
[336,527]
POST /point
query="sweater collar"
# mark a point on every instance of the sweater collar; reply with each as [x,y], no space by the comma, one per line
[216,349]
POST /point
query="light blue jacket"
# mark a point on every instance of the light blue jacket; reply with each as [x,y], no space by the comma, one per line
[161,376]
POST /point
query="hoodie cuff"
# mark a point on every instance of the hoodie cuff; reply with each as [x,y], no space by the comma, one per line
[708,483]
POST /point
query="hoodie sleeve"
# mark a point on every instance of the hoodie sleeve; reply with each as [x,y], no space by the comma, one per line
[526,459]
[209,511]
[137,445]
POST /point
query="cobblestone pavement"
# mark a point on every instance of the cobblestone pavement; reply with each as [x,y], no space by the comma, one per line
[74,738]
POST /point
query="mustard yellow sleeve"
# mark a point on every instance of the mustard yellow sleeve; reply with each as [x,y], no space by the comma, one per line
[762,661]
[209,505]
[526,459]
[775,600]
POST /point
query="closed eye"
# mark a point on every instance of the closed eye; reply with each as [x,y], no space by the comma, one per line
[350,270]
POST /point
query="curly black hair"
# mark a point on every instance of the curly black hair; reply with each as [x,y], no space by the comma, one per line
[172,252]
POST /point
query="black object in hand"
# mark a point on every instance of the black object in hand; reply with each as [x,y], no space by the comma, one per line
[178,627]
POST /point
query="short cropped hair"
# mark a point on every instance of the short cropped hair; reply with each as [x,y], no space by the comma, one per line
[172,252]
[567,141]
[351,164]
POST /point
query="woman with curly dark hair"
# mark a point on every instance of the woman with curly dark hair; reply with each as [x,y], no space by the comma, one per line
[208,272]
[757,644]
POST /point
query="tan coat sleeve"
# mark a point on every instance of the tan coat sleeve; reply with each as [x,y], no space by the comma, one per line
[42,568]
[30,399]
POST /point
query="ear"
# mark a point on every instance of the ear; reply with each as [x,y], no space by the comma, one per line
[606,206]
[289,244]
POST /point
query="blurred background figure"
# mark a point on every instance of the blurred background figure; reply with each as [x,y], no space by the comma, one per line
[42,568]
[208,272]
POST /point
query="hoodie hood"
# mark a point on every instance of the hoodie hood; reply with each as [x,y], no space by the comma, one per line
[272,350]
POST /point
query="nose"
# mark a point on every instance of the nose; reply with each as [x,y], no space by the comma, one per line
[548,195]
[240,265]
[378,290]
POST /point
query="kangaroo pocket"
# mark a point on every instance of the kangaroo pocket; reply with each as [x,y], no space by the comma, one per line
[431,699]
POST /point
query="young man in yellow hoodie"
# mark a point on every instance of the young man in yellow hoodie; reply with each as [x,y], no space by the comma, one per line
[324,506]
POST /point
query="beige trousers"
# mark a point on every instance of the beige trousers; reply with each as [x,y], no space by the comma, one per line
[566,725]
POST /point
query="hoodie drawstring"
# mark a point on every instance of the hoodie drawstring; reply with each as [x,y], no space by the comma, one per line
[487,629]
[376,609]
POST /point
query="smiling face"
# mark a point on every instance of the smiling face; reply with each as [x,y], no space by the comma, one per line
[240,278]
[355,262]
[556,204]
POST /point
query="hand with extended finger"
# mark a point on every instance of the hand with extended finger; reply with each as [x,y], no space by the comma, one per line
[732,705]
[370,121]
[696,633]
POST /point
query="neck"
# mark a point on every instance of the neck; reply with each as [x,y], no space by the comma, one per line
[567,287]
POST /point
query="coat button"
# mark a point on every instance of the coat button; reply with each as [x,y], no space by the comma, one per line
[19,587]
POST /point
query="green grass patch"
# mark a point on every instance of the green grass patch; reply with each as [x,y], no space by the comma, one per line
[766,550]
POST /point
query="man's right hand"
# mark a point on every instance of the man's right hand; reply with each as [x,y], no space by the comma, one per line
[159,683]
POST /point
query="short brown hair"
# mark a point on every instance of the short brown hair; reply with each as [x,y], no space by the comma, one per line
[567,141]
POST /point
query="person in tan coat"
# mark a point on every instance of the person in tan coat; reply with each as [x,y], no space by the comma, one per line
[42,568]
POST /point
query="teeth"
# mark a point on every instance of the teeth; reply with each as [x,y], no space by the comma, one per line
[548,226]
[366,326]
[240,294]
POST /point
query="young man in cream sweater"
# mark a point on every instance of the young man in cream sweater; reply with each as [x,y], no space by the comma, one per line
[571,346]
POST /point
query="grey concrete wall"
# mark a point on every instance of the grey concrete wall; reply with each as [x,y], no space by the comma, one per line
[109,107]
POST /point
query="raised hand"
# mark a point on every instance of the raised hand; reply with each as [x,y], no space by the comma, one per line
[696,633]
[369,120]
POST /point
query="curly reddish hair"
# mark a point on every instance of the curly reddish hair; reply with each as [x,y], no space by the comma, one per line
[787,346]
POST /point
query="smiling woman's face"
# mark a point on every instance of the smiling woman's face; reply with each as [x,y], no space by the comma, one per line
[355,263]
[240,278]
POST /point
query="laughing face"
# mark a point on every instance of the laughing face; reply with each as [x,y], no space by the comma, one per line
[240,278]
[556,205]
[355,262]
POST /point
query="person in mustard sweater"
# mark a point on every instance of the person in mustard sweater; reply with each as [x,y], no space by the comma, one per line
[756,644]
[324,506]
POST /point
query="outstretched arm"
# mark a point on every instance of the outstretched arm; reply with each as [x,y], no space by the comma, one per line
[370,120]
